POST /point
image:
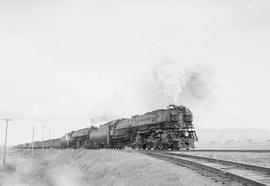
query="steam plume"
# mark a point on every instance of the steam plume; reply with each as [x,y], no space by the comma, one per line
[182,84]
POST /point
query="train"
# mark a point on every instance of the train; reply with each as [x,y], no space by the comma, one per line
[163,129]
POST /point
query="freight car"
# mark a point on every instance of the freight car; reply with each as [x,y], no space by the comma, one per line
[162,129]
[52,143]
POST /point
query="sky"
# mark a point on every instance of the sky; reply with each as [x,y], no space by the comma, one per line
[71,64]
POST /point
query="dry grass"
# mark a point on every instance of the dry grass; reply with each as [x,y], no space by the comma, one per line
[94,167]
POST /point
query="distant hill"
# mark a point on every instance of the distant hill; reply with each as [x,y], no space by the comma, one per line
[233,138]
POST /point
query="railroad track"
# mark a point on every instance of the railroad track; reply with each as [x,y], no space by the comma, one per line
[226,150]
[219,170]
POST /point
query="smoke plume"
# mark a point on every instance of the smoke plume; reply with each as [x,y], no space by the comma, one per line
[179,84]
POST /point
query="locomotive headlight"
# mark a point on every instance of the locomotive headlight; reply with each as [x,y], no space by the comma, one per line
[186,134]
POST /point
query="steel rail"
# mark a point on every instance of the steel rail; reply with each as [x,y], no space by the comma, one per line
[226,162]
[189,163]
[226,150]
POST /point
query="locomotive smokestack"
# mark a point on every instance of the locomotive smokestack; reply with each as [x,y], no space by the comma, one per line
[109,136]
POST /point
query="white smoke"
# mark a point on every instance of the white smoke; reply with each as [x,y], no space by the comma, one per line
[183,84]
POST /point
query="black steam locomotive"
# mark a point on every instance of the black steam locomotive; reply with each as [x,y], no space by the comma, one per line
[162,129]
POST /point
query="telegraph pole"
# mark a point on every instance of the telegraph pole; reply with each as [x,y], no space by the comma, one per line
[5,146]
[33,136]
[43,137]
[50,138]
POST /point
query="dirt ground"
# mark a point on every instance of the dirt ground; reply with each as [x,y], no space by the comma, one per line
[94,167]
[261,159]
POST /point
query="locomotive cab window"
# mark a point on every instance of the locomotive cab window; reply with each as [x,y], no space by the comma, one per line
[173,117]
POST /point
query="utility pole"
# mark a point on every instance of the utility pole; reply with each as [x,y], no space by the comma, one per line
[5,146]
[43,137]
[50,138]
[33,136]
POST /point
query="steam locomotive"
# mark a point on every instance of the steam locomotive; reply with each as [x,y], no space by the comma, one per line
[162,129]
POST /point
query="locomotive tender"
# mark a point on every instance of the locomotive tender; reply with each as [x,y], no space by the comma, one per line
[162,129]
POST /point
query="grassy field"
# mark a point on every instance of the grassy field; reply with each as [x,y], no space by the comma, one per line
[94,167]
[262,159]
